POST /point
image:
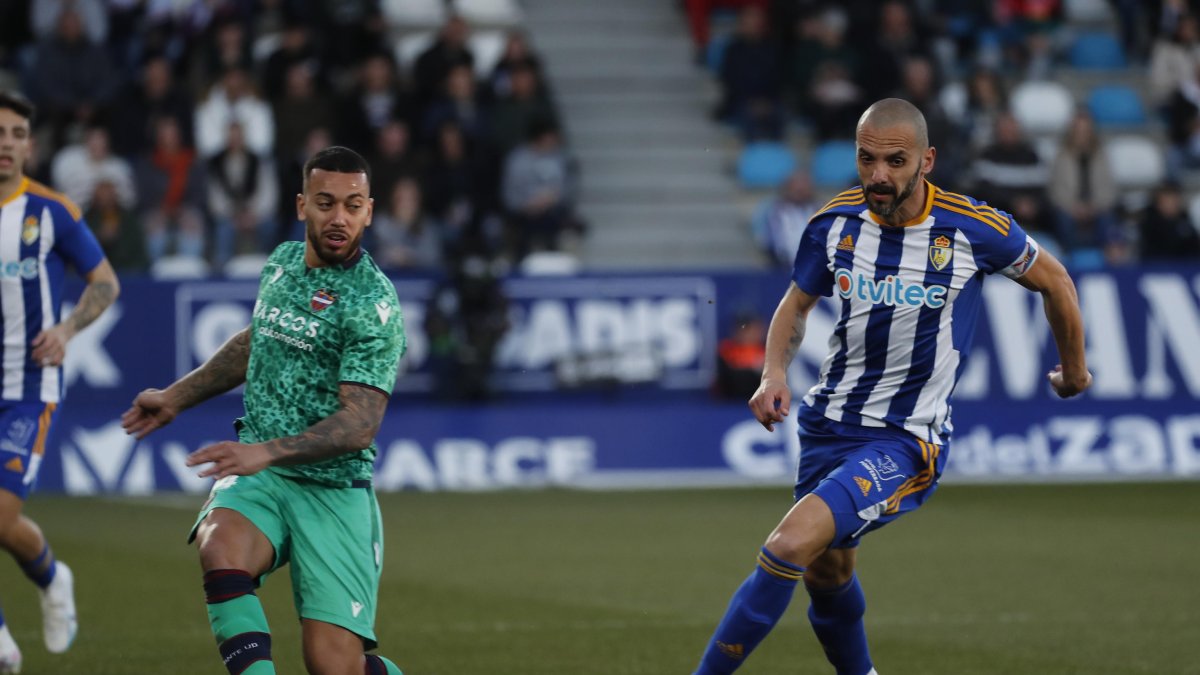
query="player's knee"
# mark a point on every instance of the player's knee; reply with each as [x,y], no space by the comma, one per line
[795,547]
[826,574]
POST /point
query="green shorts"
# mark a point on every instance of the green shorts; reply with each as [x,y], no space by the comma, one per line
[331,536]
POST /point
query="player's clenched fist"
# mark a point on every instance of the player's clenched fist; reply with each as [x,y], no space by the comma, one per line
[771,403]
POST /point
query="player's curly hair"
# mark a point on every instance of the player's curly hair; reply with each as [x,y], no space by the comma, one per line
[16,102]
[338,159]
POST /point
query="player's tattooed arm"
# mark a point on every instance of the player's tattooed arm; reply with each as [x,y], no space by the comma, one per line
[351,428]
[786,332]
[221,372]
[101,291]
[50,345]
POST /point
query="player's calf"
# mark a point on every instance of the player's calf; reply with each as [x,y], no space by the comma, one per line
[238,622]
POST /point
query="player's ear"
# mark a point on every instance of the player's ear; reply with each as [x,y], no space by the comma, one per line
[370,210]
[300,206]
[928,160]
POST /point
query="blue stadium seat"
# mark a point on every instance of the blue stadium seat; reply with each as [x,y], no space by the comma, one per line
[1116,105]
[765,165]
[1096,51]
[835,164]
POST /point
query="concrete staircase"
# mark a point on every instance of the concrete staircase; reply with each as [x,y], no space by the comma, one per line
[657,190]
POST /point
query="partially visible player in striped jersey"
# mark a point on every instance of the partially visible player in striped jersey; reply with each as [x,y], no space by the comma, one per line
[907,259]
[41,233]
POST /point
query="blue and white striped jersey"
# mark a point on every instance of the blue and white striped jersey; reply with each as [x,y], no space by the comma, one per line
[910,295]
[41,232]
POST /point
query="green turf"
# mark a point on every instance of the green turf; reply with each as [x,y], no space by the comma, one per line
[1038,580]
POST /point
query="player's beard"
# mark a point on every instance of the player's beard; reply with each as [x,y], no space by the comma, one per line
[328,257]
[889,209]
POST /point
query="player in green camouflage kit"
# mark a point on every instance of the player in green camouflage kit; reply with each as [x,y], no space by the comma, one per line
[319,360]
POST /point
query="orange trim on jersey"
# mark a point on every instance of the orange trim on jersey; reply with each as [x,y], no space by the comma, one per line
[847,198]
[19,191]
[40,190]
[976,215]
[982,209]
[39,445]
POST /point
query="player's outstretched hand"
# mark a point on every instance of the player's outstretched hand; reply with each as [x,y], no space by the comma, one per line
[771,403]
[1068,387]
[151,410]
[229,458]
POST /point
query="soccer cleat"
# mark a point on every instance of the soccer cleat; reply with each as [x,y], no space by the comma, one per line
[58,611]
[10,654]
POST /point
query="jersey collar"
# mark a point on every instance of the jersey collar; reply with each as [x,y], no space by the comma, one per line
[347,264]
[24,185]
[930,190]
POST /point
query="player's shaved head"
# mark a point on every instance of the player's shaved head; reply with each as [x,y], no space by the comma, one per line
[337,159]
[894,112]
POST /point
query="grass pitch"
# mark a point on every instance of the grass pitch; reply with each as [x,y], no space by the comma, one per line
[1038,580]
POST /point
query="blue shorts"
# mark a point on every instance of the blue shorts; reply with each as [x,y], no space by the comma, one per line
[23,430]
[868,476]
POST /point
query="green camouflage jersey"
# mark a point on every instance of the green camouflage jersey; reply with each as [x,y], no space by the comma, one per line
[312,330]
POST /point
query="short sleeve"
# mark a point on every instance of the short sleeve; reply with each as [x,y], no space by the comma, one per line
[373,342]
[811,269]
[74,241]
[1024,260]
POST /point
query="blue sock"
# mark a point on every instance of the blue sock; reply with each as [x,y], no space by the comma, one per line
[753,612]
[41,569]
[836,615]
[1,618]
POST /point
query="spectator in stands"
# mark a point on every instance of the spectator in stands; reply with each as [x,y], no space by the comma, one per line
[820,38]
[919,86]
[352,29]
[393,156]
[740,357]
[449,50]
[457,181]
[1183,127]
[779,221]
[72,78]
[403,235]
[296,47]
[93,16]
[987,98]
[1173,61]
[377,99]
[1165,230]
[699,12]
[117,228]
[227,48]
[517,53]
[752,79]
[514,112]
[1028,32]
[233,99]
[300,109]
[140,103]
[539,191]
[833,100]
[1083,190]
[241,199]
[1010,176]
[77,169]
[170,186]
[895,40]
[459,103]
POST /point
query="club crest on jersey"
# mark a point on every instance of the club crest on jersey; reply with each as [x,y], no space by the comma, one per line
[30,230]
[940,253]
[322,299]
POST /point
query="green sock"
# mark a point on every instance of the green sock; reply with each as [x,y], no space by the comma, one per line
[238,622]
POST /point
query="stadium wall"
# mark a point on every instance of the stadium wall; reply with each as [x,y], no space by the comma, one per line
[603,382]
